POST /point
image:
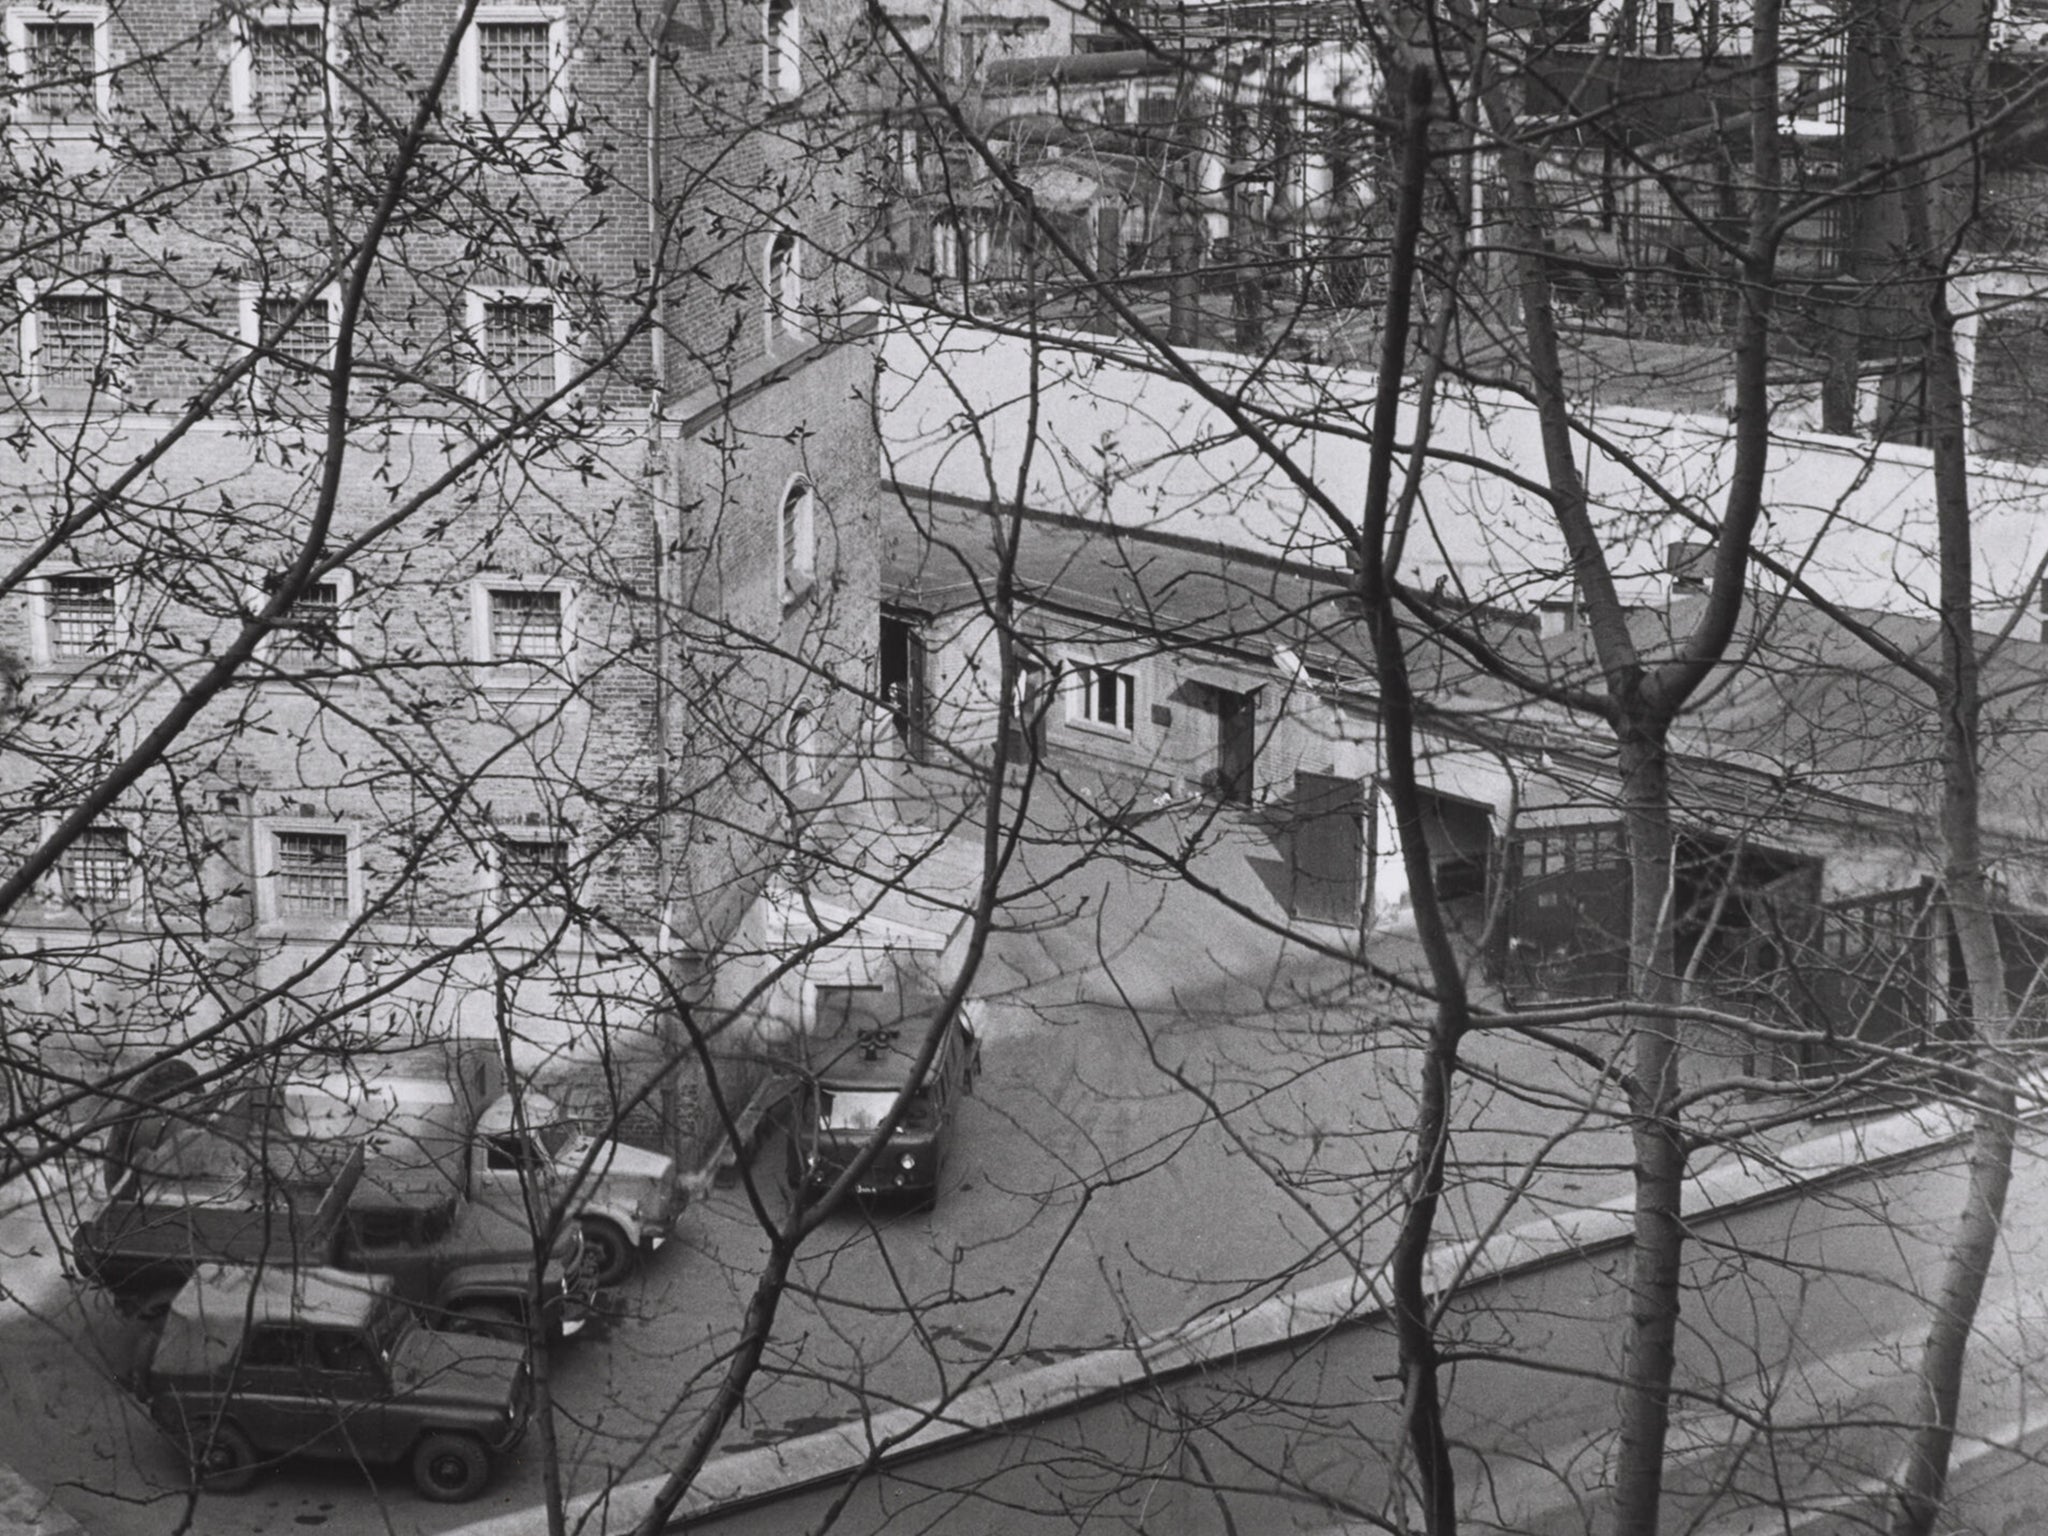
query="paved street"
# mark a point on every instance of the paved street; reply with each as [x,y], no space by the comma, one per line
[1173,1115]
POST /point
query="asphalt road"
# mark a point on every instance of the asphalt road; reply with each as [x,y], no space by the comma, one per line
[1175,1113]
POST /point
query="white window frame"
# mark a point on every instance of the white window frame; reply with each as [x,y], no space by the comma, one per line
[269,907]
[1971,298]
[502,675]
[242,63]
[251,306]
[31,292]
[60,886]
[782,49]
[43,639]
[782,287]
[483,386]
[1079,678]
[469,64]
[277,649]
[19,19]
[797,559]
[495,890]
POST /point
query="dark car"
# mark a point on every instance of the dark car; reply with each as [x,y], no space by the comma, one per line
[258,1365]
[858,1062]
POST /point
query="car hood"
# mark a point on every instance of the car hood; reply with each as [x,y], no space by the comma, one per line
[458,1366]
[615,1159]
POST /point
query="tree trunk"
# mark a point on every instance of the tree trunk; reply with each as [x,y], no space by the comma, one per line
[1657,1244]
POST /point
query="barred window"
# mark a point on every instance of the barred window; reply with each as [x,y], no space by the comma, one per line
[81,617]
[515,65]
[98,867]
[72,338]
[312,874]
[532,868]
[519,344]
[311,631]
[287,67]
[526,624]
[59,69]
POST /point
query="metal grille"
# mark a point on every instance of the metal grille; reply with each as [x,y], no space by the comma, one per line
[60,70]
[514,63]
[312,874]
[97,867]
[312,630]
[526,625]
[71,337]
[305,342]
[519,343]
[532,867]
[81,612]
[285,69]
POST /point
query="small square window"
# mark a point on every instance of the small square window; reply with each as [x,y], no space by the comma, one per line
[526,624]
[82,617]
[532,869]
[98,869]
[73,341]
[60,67]
[311,631]
[305,342]
[1105,698]
[311,874]
[287,70]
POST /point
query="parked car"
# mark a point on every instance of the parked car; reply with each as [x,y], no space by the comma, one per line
[260,1365]
[205,1196]
[857,1061]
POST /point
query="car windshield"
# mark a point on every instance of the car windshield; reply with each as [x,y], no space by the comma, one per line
[863,1111]
[554,1138]
[852,1111]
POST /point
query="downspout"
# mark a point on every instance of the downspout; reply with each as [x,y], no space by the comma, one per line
[658,492]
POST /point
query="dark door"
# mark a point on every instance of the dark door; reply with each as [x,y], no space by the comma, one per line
[1327,848]
[902,678]
[1236,743]
[1568,918]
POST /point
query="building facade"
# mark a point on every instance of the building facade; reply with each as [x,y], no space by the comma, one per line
[442,498]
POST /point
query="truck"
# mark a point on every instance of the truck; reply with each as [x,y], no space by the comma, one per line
[446,1110]
[204,1196]
[256,1366]
[854,1064]
[515,1154]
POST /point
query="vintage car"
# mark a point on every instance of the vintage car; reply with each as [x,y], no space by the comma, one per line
[857,1063]
[257,1365]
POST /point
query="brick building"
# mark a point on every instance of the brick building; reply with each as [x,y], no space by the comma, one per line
[459,408]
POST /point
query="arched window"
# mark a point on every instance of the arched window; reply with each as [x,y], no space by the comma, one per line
[782,280]
[783,58]
[797,539]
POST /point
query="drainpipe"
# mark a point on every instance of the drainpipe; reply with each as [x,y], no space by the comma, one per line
[656,471]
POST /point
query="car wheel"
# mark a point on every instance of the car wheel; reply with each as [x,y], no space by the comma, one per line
[450,1468]
[487,1320]
[226,1462]
[608,1253]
